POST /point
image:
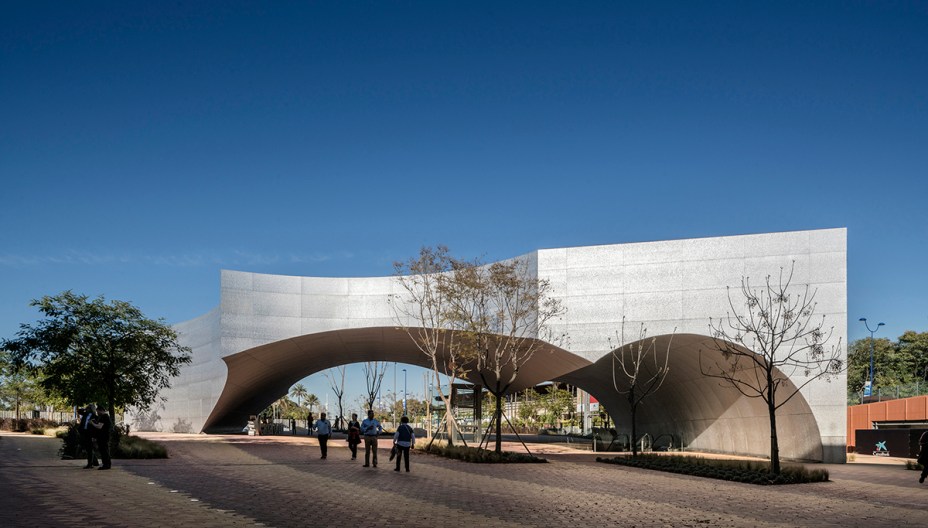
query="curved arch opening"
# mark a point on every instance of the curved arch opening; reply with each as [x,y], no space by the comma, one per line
[258,376]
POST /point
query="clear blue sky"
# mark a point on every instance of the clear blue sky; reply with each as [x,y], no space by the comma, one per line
[146,146]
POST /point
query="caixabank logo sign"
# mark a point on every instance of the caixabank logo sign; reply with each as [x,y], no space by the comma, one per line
[881,449]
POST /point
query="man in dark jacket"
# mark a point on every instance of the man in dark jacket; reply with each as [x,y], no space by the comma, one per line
[103,425]
[87,432]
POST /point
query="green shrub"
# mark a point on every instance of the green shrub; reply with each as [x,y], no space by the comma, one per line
[121,445]
[481,456]
[734,470]
[38,431]
[137,447]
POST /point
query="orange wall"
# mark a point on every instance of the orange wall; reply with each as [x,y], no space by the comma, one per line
[863,416]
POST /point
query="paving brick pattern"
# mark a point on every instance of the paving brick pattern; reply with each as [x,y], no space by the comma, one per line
[242,481]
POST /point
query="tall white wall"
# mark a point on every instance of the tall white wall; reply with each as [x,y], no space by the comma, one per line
[680,284]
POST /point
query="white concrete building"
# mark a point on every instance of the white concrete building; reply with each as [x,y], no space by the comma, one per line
[270,331]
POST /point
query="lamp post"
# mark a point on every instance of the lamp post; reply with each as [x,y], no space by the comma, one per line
[868,388]
[404,392]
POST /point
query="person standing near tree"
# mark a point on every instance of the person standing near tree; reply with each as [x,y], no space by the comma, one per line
[323,431]
[354,435]
[104,425]
[403,439]
[370,428]
[87,433]
[923,456]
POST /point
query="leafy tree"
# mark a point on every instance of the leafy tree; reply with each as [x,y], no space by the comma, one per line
[890,368]
[422,310]
[415,408]
[556,403]
[914,345]
[773,333]
[638,370]
[896,363]
[501,310]
[18,386]
[90,350]
[528,408]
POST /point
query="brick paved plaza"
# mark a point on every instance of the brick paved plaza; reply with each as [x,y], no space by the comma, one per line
[245,481]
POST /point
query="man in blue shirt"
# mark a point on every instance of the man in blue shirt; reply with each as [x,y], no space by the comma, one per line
[370,428]
[323,431]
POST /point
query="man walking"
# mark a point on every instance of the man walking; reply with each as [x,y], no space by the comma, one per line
[323,431]
[370,428]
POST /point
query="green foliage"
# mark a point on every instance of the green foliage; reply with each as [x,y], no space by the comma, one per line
[745,471]
[71,443]
[21,425]
[528,409]
[555,404]
[890,367]
[912,465]
[19,386]
[481,456]
[135,447]
[899,363]
[535,410]
[92,351]
[299,392]
[122,446]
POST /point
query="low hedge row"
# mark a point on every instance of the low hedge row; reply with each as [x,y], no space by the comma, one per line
[748,472]
[481,456]
[22,425]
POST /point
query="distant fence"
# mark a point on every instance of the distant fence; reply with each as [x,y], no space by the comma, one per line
[893,392]
[55,416]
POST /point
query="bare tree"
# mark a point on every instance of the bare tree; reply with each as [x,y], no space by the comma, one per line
[772,346]
[422,311]
[337,382]
[638,370]
[501,310]
[373,378]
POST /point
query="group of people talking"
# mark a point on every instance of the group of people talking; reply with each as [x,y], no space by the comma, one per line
[94,425]
[403,439]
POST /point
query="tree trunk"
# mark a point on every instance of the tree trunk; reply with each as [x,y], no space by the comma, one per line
[449,423]
[634,410]
[498,413]
[634,438]
[772,410]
